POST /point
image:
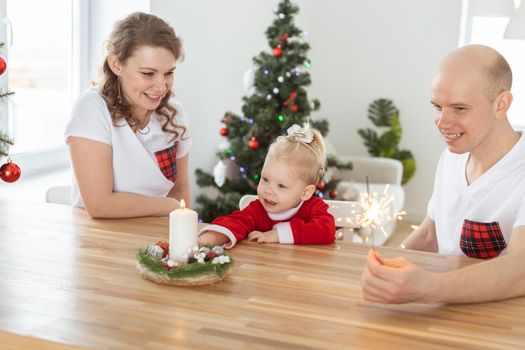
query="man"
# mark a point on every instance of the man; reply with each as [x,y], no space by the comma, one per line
[478,205]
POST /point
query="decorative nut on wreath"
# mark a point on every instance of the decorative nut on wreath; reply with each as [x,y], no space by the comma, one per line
[202,266]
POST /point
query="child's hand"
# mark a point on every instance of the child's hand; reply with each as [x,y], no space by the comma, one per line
[212,238]
[264,237]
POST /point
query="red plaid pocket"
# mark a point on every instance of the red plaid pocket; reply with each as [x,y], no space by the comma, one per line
[481,240]
[167,160]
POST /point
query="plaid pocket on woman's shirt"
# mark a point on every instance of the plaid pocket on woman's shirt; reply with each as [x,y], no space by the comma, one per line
[167,160]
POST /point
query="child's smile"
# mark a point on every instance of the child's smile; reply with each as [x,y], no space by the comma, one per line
[280,188]
[269,202]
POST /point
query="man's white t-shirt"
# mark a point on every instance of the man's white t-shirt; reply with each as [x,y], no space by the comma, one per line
[143,162]
[491,206]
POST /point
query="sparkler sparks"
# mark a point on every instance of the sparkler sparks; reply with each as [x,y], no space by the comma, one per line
[375,214]
[371,216]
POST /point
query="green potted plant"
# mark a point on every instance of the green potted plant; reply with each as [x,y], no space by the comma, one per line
[384,114]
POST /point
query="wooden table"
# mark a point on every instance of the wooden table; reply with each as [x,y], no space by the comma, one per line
[67,281]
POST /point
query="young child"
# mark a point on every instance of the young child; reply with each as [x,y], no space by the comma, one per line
[285,210]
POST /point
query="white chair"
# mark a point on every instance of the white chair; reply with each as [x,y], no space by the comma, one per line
[378,169]
[59,195]
[342,211]
[383,173]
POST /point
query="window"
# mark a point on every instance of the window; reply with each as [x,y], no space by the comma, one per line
[39,71]
[56,48]
[489,31]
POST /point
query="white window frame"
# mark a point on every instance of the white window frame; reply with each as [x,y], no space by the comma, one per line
[4,111]
[465,32]
[466,38]
[54,158]
[91,22]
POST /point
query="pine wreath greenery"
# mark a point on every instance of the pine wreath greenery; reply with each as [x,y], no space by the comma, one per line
[188,270]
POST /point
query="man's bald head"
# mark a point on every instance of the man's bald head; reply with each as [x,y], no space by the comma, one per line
[481,60]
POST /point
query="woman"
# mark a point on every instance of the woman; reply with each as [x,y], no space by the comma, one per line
[128,140]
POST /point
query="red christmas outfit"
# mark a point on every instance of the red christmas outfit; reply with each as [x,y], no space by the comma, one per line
[308,223]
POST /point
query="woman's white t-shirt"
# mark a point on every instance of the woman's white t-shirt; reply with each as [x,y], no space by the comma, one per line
[143,162]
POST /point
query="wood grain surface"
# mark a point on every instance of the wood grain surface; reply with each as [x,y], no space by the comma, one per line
[67,282]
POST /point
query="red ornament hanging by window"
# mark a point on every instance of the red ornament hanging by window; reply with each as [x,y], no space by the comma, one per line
[3,65]
[10,172]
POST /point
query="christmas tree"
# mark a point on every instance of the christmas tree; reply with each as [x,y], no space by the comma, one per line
[279,100]
[9,172]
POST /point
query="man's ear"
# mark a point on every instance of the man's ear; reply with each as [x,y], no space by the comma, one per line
[502,104]
[114,64]
[308,192]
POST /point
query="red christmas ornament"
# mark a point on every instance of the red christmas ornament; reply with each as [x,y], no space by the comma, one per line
[290,99]
[295,108]
[224,131]
[283,37]
[211,254]
[254,143]
[320,185]
[3,65]
[165,247]
[333,194]
[10,172]
[278,52]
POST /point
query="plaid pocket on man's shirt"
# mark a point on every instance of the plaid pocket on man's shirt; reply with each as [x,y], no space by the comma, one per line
[481,240]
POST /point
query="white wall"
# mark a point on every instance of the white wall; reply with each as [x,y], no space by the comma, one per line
[361,50]
[102,15]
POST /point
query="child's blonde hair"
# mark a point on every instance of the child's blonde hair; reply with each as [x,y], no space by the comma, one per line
[304,149]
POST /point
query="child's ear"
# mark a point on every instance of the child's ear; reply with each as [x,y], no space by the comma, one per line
[308,192]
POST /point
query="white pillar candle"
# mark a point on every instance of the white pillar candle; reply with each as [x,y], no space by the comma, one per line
[183,232]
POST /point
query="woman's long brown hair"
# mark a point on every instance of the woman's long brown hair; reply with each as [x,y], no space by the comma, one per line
[135,31]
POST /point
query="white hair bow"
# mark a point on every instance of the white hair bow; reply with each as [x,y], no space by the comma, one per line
[299,134]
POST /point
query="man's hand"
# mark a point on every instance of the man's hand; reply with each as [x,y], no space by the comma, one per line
[396,281]
[264,237]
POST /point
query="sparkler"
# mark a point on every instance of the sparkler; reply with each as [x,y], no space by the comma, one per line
[375,213]
[371,213]
[370,206]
